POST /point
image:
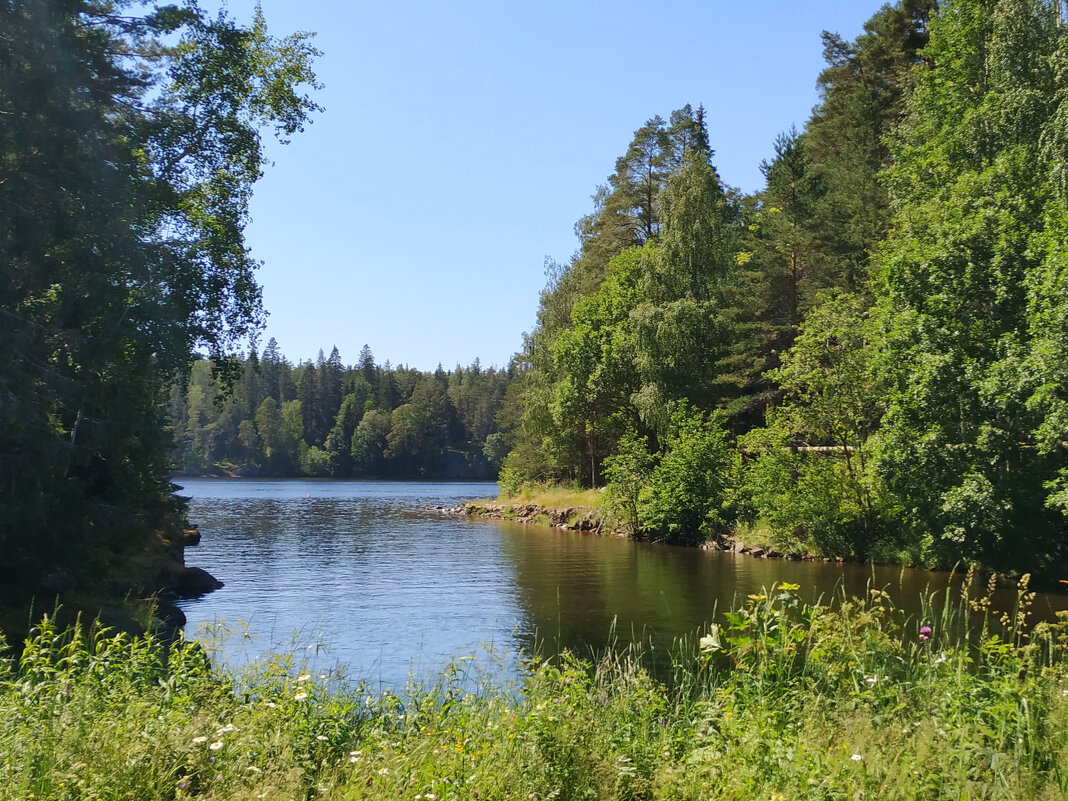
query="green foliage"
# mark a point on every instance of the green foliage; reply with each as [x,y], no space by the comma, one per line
[369,441]
[437,427]
[315,462]
[129,150]
[780,699]
[895,293]
[686,500]
[965,304]
[595,355]
[627,472]
[806,499]
[810,473]
[818,502]
[510,480]
[863,94]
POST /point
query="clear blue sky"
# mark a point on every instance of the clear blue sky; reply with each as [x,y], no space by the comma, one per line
[461,141]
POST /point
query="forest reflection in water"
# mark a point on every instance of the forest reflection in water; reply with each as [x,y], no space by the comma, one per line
[362,574]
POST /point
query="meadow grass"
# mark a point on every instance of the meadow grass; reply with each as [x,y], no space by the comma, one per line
[778,700]
[555,496]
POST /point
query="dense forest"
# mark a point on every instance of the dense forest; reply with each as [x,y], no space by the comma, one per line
[328,419]
[867,357]
[129,144]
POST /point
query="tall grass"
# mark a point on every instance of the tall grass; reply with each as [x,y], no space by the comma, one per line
[555,496]
[778,700]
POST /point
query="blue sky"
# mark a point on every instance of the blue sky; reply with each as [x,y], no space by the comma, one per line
[460,142]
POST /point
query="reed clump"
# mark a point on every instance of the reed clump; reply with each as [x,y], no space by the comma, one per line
[778,699]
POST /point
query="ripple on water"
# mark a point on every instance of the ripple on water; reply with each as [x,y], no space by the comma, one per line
[391,588]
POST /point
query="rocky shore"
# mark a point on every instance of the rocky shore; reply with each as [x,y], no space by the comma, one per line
[590,519]
[177,581]
[142,595]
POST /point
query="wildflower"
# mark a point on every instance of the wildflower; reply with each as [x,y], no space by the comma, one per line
[431,796]
[355,753]
[303,677]
[787,586]
[856,757]
[757,597]
[271,704]
[322,675]
[229,727]
[253,769]
[215,746]
[354,759]
[300,696]
[199,740]
[710,642]
[321,738]
[925,633]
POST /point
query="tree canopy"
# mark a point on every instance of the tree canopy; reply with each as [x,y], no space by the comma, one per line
[881,329]
[130,144]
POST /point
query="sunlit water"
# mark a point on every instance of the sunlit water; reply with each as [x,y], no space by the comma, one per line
[361,574]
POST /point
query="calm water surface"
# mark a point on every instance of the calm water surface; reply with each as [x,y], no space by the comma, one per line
[391,589]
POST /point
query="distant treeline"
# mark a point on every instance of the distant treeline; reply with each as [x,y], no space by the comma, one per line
[329,419]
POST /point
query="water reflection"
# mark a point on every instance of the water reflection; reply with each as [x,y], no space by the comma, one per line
[393,589]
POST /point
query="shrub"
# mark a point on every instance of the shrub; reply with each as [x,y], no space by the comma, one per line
[687,496]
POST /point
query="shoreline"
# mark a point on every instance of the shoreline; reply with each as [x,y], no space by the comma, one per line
[591,520]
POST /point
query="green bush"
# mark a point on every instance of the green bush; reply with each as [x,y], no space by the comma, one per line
[687,495]
[315,462]
[827,503]
[627,472]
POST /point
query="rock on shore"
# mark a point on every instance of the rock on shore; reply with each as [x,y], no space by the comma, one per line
[571,518]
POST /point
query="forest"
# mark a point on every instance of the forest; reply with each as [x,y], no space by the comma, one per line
[326,419]
[864,359]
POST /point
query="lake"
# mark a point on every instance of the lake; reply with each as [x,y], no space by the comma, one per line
[361,574]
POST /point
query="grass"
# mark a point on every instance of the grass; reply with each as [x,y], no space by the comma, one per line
[778,701]
[555,496]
